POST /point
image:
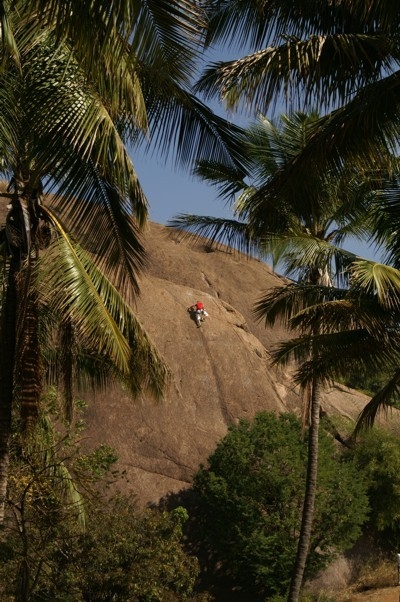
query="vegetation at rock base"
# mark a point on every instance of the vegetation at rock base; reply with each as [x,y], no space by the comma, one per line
[250,499]
[366,382]
[63,540]
[377,455]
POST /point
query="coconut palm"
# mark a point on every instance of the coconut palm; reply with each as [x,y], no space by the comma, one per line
[78,84]
[302,222]
[304,230]
[357,328]
[342,57]
[342,330]
[45,82]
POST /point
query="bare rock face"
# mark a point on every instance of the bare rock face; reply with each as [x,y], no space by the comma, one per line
[221,372]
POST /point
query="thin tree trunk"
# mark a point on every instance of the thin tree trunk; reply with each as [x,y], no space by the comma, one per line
[7,361]
[23,571]
[309,499]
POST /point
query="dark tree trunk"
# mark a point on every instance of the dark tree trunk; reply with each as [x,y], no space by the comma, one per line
[7,362]
[309,500]
[28,360]
[21,226]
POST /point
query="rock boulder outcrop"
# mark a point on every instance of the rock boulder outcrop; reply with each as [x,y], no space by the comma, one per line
[221,372]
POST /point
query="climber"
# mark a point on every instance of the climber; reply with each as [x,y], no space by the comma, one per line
[198,313]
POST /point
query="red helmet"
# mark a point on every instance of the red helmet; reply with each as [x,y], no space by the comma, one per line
[200,305]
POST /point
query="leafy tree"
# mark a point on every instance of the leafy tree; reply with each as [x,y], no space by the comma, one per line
[45,501]
[63,540]
[377,455]
[250,500]
[131,555]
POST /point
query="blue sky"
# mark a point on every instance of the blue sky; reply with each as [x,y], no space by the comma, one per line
[170,191]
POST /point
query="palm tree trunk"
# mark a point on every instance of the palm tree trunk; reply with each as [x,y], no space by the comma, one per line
[17,239]
[309,500]
[7,362]
[28,361]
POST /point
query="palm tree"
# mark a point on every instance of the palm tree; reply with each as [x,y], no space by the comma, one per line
[28,157]
[304,231]
[319,206]
[341,57]
[348,329]
[78,84]
[353,328]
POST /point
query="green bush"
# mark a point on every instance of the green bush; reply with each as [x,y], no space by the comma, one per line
[62,541]
[250,503]
[133,556]
[377,455]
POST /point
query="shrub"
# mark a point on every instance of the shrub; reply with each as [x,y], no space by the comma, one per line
[63,541]
[250,500]
[377,455]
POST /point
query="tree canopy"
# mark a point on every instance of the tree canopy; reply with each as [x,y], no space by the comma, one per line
[250,497]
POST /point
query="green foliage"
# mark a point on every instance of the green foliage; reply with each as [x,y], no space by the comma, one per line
[62,540]
[305,598]
[377,455]
[367,382]
[130,555]
[250,502]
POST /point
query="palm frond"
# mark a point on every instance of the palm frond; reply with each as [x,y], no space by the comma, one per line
[302,253]
[180,124]
[378,279]
[330,357]
[385,220]
[237,22]
[75,289]
[124,35]
[254,22]
[343,310]
[218,231]
[329,64]
[9,119]
[387,398]
[283,303]
[363,132]
[101,218]
[228,179]
[7,35]
[170,31]
[81,131]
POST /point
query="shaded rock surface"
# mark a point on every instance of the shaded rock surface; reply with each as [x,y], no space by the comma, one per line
[221,372]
